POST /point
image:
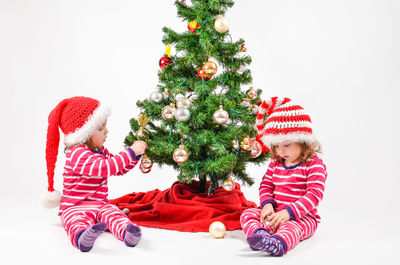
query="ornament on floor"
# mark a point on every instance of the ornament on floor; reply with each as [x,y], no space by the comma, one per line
[221,116]
[210,68]
[182,114]
[242,48]
[180,154]
[156,96]
[246,143]
[251,93]
[168,112]
[145,164]
[256,149]
[142,133]
[221,24]
[166,59]
[201,75]
[193,26]
[217,229]
[125,211]
[228,184]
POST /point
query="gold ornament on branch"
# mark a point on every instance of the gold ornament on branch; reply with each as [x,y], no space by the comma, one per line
[210,68]
[246,143]
[251,93]
[168,112]
[217,229]
[184,103]
[221,24]
[180,154]
[228,184]
[221,116]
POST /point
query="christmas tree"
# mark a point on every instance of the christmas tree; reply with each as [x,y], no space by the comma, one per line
[201,119]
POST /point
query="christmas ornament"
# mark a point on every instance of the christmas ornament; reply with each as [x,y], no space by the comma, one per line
[146,162]
[210,68]
[180,154]
[179,97]
[182,114]
[228,184]
[242,48]
[165,60]
[125,211]
[221,24]
[168,112]
[144,170]
[201,74]
[156,96]
[246,103]
[255,109]
[142,134]
[256,149]
[184,103]
[221,116]
[246,143]
[235,144]
[165,93]
[217,229]
[193,26]
[251,93]
[192,95]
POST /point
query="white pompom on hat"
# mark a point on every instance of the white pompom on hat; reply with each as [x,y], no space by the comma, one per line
[78,118]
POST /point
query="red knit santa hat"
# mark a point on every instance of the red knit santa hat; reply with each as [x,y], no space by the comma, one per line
[286,121]
[78,118]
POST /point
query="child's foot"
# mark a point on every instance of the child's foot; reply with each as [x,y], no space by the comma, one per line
[132,235]
[271,245]
[255,238]
[87,238]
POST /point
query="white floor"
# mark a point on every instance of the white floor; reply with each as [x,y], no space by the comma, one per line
[33,235]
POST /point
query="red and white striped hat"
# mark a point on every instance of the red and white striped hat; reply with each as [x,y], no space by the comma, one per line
[78,118]
[286,121]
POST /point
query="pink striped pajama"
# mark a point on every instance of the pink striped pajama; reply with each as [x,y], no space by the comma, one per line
[298,189]
[84,201]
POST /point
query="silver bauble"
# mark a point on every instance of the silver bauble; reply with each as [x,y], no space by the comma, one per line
[179,97]
[221,116]
[182,114]
[184,103]
[221,24]
[156,96]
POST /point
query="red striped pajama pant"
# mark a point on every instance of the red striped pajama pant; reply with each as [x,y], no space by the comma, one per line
[82,216]
[292,232]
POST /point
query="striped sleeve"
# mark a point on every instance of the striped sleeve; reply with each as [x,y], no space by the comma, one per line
[126,164]
[315,190]
[85,162]
[267,187]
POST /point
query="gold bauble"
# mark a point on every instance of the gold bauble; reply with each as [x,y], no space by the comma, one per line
[221,116]
[142,134]
[180,154]
[168,112]
[246,103]
[221,24]
[184,103]
[210,68]
[246,143]
[217,229]
[228,184]
[165,93]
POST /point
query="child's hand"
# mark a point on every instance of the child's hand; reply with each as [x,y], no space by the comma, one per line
[279,218]
[138,147]
[267,210]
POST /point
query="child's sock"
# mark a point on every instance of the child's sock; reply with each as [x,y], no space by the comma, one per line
[272,245]
[88,237]
[132,235]
[253,240]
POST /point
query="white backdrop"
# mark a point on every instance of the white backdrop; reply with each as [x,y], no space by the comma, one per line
[339,59]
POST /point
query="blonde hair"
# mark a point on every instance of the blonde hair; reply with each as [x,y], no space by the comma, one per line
[307,151]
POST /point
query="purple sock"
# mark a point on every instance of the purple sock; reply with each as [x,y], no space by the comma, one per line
[132,235]
[88,237]
[253,240]
[271,244]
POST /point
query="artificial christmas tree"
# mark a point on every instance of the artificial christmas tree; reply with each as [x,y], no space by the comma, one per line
[201,119]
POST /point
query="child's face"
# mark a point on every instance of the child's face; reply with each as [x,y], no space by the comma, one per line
[100,135]
[289,151]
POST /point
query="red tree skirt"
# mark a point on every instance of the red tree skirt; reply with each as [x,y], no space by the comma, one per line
[182,208]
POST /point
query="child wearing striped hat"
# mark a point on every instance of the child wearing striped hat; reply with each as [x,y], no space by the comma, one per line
[293,185]
[84,208]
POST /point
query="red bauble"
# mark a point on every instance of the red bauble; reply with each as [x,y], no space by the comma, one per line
[201,75]
[164,61]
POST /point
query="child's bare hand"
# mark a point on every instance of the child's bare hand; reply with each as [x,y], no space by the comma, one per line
[279,218]
[138,147]
[266,211]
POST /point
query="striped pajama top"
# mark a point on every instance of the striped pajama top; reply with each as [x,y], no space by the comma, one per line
[86,173]
[298,188]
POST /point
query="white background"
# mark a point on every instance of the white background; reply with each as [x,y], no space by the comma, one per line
[339,59]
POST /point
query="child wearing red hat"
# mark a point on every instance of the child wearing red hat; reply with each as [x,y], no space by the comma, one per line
[84,208]
[293,185]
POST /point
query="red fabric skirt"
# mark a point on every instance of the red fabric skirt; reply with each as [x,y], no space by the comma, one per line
[182,208]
